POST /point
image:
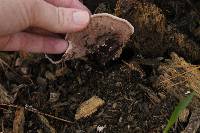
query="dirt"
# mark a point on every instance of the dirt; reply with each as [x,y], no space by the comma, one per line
[133,103]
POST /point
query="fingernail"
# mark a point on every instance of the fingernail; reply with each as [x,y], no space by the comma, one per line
[81,17]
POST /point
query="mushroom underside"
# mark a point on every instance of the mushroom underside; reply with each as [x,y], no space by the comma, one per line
[103,39]
[107,47]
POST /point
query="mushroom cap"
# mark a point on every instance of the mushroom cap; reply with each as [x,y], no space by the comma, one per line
[103,28]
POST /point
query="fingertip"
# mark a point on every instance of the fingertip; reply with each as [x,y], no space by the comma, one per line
[79,5]
[81,18]
[54,45]
[60,46]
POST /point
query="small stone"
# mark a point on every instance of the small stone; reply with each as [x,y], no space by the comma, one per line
[100,128]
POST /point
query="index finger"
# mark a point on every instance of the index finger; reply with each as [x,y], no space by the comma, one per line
[68,4]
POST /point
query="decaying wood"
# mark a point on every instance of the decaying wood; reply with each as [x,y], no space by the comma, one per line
[89,107]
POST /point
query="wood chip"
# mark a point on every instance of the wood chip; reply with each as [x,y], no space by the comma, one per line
[18,124]
[89,107]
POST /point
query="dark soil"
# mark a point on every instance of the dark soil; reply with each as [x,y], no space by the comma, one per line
[132,104]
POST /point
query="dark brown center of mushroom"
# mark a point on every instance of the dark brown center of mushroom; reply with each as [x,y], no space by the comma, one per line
[106,48]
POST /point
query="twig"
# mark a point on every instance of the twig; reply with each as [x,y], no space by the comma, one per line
[48,115]
[33,110]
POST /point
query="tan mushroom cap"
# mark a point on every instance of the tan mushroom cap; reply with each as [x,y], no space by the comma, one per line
[102,27]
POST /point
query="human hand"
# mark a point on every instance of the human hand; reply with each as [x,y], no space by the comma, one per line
[56,16]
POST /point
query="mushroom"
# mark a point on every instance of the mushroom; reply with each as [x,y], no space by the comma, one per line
[104,38]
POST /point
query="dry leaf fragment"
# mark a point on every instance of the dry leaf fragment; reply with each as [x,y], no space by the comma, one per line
[105,36]
[18,124]
[46,123]
[89,107]
[183,117]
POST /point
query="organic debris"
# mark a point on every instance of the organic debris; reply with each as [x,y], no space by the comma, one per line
[18,124]
[89,107]
[153,36]
[133,103]
[4,96]
[179,78]
[46,123]
[149,24]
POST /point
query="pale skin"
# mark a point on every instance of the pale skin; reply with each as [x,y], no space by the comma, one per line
[55,16]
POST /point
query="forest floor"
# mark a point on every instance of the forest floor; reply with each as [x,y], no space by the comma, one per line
[40,97]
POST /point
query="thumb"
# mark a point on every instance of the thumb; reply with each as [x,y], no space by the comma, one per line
[21,14]
[58,19]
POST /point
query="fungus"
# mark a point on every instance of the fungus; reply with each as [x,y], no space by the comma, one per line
[104,38]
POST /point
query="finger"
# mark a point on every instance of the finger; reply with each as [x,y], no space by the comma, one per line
[40,14]
[32,43]
[42,32]
[58,19]
[69,4]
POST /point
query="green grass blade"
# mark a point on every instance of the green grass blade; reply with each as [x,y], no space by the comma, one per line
[178,109]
